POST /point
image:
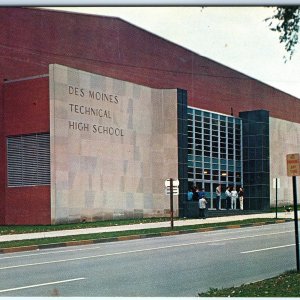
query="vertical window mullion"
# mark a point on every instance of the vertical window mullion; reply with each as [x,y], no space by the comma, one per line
[234,155]
[227,162]
[194,147]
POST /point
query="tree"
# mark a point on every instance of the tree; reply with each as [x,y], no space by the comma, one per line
[287,19]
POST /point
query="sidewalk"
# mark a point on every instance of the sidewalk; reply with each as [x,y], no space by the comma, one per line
[37,235]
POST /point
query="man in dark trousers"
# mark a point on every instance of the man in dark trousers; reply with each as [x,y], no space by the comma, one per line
[202,208]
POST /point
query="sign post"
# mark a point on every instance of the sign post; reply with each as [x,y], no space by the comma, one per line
[171,203]
[276,197]
[293,169]
[276,186]
[296,222]
[172,189]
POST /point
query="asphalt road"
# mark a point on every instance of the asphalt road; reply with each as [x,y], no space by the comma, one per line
[180,265]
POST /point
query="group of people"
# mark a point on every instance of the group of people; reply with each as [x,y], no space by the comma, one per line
[232,195]
[231,198]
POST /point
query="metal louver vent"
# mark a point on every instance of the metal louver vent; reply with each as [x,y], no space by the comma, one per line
[28,160]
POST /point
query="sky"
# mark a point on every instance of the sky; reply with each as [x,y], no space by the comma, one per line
[237,37]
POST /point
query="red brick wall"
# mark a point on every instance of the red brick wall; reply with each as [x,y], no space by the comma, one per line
[26,108]
[28,205]
[115,48]
[2,161]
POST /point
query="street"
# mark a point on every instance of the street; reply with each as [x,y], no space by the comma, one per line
[179,265]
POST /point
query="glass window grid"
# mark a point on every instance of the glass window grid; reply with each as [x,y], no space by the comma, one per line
[220,144]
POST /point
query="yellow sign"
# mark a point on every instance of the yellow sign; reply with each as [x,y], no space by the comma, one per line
[293,164]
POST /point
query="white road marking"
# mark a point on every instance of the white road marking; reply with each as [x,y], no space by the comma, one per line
[248,228]
[212,233]
[39,252]
[140,250]
[266,249]
[41,284]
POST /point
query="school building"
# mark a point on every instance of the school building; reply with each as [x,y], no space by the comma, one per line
[97,113]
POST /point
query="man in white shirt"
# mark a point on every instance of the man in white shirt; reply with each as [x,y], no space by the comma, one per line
[228,197]
[234,196]
[218,197]
[202,208]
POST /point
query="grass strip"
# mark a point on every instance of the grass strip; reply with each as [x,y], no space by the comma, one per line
[289,207]
[140,232]
[285,285]
[16,229]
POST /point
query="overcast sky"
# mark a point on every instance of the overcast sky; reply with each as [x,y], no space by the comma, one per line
[237,37]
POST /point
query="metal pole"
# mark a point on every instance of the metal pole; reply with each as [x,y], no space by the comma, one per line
[171,202]
[276,198]
[296,221]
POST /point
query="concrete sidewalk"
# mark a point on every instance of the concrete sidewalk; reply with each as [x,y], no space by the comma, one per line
[185,222]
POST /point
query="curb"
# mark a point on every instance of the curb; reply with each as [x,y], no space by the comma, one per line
[133,237]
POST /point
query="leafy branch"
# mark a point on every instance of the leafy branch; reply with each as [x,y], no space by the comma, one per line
[287,20]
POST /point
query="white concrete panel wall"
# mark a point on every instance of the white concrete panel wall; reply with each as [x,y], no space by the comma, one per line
[113,143]
[284,139]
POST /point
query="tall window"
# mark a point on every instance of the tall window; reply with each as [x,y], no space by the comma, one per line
[28,160]
[214,151]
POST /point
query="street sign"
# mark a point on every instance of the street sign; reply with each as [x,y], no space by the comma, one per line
[293,164]
[175,183]
[293,170]
[175,190]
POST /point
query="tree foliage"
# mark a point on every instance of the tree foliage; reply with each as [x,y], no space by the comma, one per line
[287,21]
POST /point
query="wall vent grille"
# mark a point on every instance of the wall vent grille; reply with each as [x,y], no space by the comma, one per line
[28,160]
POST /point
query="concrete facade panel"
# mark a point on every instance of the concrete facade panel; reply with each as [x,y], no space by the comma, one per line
[118,163]
[284,139]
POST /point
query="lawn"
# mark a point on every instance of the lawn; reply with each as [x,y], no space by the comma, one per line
[285,285]
[16,229]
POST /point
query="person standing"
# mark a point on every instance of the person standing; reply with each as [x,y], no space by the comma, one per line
[202,208]
[190,195]
[241,198]
[195,194]
[234,196]
[201,194]
[228,197]
[218,197]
